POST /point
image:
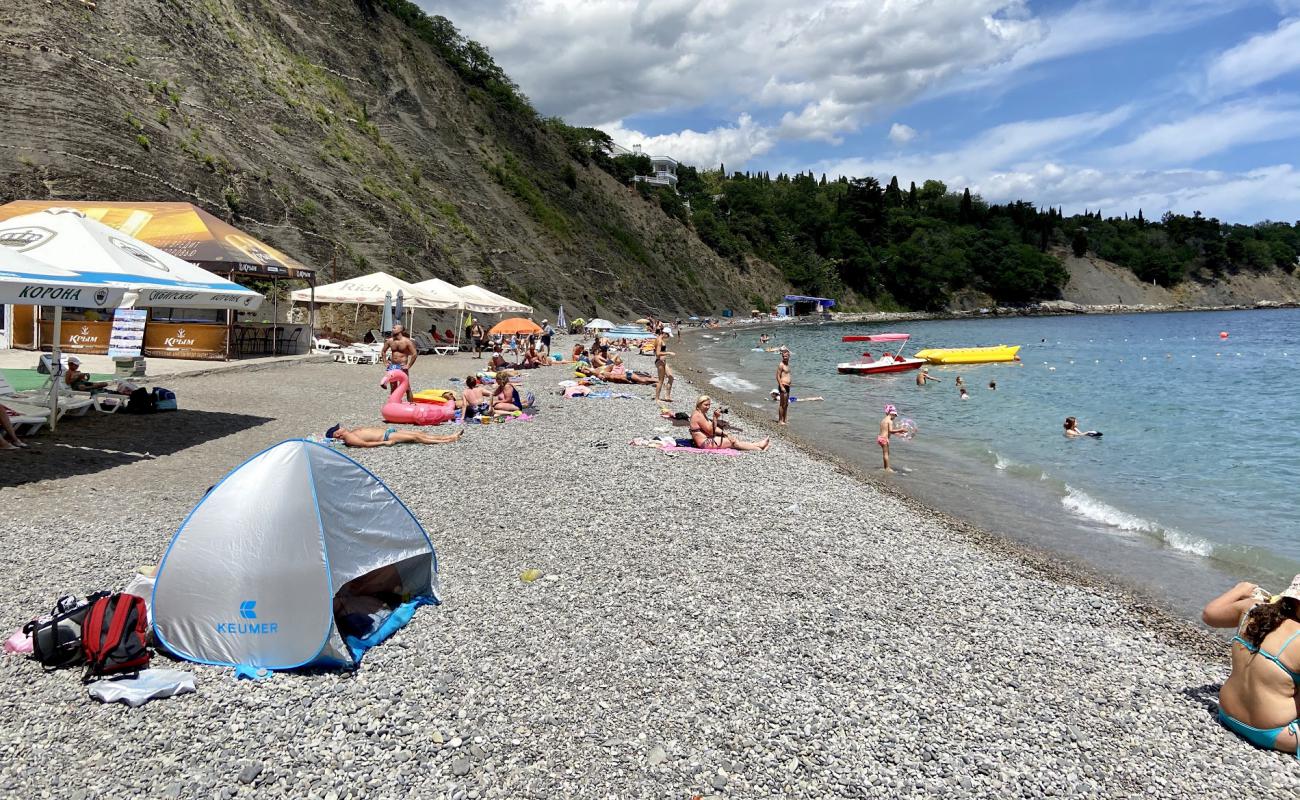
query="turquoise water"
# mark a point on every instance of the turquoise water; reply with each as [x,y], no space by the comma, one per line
[1192,484]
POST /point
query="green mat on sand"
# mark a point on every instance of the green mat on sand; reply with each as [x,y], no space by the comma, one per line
[24,379]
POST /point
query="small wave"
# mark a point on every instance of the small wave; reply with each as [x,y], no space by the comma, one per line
[1094,510]
[1002,462]
[731,382]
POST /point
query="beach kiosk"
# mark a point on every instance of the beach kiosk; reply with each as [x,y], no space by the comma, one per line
[803,305]
[191,234]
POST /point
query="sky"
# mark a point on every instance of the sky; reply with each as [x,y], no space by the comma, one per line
[1182,105]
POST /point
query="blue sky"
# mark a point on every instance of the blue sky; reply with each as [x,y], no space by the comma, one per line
[1158,105]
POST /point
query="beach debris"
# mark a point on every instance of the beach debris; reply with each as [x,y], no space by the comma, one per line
[530,575]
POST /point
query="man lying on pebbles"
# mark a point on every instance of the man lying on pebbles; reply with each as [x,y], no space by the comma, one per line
[376,436]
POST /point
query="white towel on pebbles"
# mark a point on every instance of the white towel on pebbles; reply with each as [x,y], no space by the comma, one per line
[150,684]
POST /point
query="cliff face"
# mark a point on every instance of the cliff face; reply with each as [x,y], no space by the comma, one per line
[1095,281]
[333,132]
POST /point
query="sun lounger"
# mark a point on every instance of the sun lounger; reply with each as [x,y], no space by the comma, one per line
[423,344]
[27,420]
[322,345]
[70,403]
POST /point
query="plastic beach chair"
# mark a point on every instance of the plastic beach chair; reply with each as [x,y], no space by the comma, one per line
[69,402]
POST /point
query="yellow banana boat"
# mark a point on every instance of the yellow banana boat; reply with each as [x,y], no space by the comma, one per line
[970,355]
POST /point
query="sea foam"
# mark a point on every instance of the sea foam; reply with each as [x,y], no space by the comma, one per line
[1090,508]
[731,382]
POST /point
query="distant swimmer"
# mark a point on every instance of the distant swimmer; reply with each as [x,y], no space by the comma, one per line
[764,339]
[993,385]
[923,377]
[1072,429]
[888,429]
[964,396]
[775,395]
[959,383]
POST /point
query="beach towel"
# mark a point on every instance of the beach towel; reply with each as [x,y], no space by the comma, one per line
[604,396]
[493,420]
[717,451]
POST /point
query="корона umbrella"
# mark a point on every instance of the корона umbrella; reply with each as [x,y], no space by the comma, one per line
[99,256]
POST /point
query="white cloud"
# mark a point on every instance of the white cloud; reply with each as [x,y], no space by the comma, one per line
[827,66]
[901,134]
[1086,27]
[733,144]
[1016,162]
[1213,130]
[1256,60]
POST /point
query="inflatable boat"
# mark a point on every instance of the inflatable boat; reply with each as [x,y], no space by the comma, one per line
[969,355]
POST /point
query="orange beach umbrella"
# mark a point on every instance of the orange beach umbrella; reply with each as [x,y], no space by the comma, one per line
[515,325]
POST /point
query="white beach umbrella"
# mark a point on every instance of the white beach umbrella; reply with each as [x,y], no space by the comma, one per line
[598,324]
[26,281]
[386,326]
[100,255]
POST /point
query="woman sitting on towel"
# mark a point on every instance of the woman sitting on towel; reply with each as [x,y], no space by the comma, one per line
[706,435]
[505,397]
[1260,701]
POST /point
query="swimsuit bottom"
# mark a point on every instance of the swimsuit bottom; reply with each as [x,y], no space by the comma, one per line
[391,367]
[389,432]
[1260,737]
[882,440]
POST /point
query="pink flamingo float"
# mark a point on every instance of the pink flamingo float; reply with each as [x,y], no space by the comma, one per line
[398,411]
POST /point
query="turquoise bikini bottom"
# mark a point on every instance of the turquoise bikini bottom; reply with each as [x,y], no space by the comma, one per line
[1260,737]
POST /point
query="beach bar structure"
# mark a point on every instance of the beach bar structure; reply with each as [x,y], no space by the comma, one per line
[193,235]
[799,305]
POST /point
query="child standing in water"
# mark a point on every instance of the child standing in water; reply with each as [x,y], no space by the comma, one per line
[887,430]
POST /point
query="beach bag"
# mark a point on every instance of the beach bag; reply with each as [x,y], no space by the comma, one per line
[114,636]
[163,399]
[140,402]
[56,637]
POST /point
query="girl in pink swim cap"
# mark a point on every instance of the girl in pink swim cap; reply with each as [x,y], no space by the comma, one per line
[887,430]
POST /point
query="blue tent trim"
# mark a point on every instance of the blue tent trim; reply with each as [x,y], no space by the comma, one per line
[395,622]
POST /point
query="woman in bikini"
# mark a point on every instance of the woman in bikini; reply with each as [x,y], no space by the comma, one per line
[1260,701]
[505,398]
[706,435]
[665,382]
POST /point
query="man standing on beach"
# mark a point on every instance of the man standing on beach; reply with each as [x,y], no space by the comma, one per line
[476,338]
[399,353]
[783,385]
[547,333]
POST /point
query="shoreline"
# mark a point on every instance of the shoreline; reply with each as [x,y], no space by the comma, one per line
[1194,640]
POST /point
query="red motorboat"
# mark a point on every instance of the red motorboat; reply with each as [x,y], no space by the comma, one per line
[886,363]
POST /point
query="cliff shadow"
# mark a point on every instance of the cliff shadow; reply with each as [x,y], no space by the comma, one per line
[97,441]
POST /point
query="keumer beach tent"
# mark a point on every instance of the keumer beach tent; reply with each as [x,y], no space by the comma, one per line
[299,557]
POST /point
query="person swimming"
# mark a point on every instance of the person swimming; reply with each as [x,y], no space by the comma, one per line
[775,395]
[923,377]
[1072,429]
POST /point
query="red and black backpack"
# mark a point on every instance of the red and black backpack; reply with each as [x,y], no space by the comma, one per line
[114,636]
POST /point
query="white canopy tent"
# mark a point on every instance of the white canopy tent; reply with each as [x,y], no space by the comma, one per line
[465,301]
[494,301]
[375,289]
[104,260]
[370,290]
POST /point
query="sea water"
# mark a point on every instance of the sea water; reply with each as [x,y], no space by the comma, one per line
[1192,485]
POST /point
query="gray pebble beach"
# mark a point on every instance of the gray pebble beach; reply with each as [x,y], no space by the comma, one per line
[754,626]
